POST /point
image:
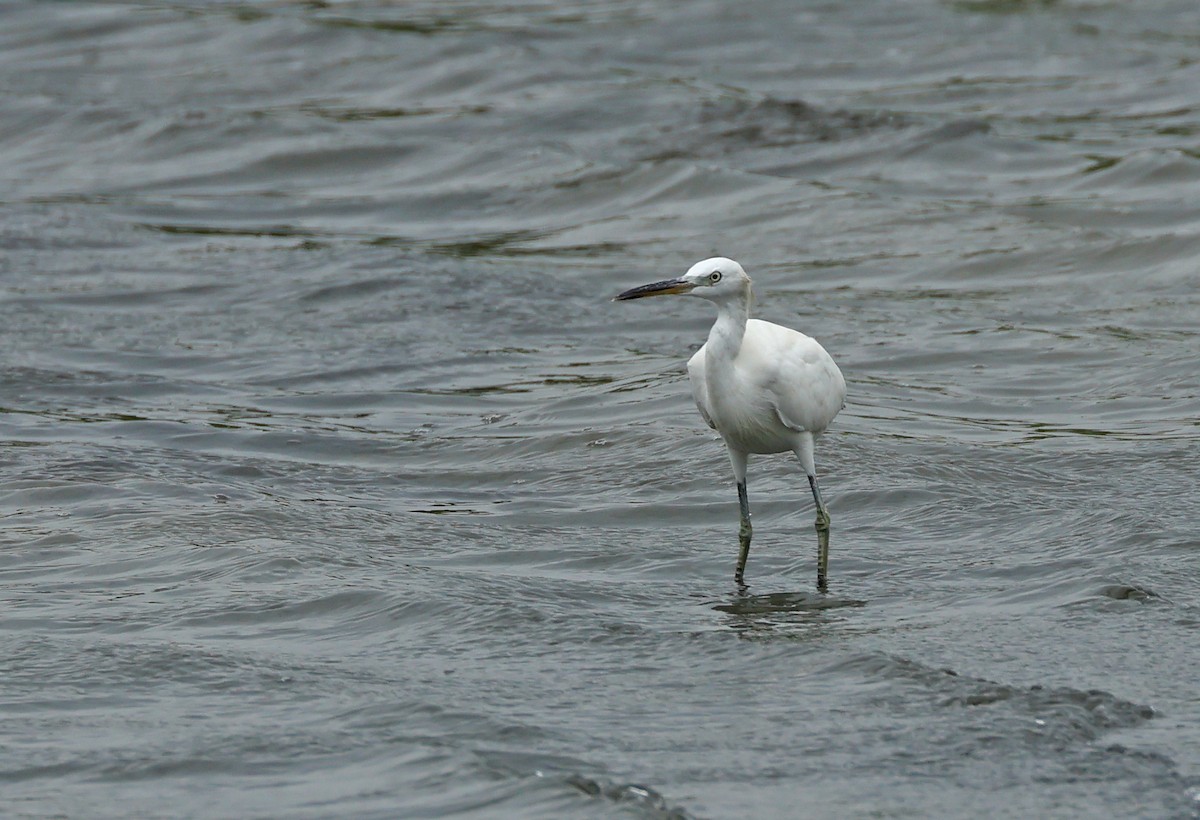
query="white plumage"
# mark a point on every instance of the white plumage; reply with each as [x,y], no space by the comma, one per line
[764,387]
[759,405]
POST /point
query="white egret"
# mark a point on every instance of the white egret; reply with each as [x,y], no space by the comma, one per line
[765,388]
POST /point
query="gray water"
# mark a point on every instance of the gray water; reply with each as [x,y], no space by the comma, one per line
[333,485]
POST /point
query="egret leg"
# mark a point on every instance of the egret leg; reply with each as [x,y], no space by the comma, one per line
[738,460]
[822,526]
[744,533]
[804,452]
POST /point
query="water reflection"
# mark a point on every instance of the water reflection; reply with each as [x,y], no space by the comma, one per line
[775,609]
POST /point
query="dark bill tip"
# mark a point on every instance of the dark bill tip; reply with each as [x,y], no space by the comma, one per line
[655,289]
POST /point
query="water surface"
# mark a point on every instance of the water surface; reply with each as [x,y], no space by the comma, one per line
[333,484]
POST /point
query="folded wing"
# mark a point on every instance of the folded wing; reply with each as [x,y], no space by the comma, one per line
[805,384]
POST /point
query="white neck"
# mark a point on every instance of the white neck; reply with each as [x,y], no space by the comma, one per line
[725,338]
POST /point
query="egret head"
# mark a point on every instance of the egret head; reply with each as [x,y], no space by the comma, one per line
[717,280]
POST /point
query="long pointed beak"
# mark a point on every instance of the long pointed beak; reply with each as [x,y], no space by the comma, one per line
[655,289]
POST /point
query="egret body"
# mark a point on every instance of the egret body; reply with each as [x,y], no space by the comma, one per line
[765,388]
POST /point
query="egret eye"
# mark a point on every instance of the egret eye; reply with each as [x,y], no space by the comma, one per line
[714,277]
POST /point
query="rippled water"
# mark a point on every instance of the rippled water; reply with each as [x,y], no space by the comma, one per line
[334,485]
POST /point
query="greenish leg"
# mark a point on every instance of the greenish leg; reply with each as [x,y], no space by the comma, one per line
[744,533]
[822,527]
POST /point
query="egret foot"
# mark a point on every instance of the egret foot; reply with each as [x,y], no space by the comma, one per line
[822,527]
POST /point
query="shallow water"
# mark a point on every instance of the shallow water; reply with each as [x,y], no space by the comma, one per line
[333,484]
